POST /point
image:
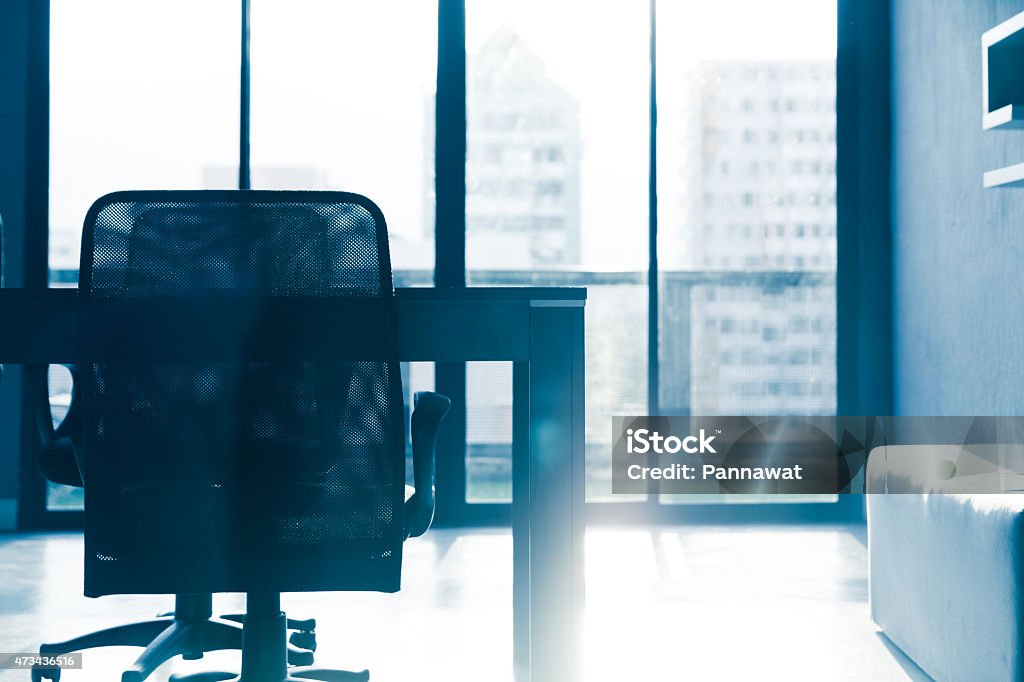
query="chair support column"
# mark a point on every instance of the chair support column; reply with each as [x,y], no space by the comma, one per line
[193,607]
[264,639]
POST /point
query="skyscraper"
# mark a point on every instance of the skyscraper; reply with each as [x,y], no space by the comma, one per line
[522,212]
[523,165]
[756,174]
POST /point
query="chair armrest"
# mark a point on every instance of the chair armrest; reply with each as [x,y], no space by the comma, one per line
[57,457]
[428,411]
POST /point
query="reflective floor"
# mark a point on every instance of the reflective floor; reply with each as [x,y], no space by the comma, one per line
[698,603]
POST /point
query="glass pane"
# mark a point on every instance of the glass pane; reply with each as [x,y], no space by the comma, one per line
[489,432]
[131,109]
[416,377]
[747,220]
[556,183]
[342,93]
[616,370]
[61,496]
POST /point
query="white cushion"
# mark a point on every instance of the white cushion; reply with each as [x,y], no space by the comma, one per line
[945,568]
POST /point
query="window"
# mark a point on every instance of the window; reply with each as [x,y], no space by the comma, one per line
[570,220]
[770,68]
[318,123]
[558,135]
[352,110]
[133,110]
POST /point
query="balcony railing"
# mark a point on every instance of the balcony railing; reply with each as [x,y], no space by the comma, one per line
[581,278]
[724,348]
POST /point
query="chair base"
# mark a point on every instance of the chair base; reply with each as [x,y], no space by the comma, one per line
[264,650]
[293,675]
[189,632]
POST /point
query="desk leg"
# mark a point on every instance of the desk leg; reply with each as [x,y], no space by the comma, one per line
[548,500]
[521,520]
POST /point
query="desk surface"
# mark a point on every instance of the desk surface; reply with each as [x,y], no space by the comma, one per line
[43,326]
[492,294]
[470,293]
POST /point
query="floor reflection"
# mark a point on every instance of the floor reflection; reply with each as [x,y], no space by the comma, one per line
[697,603]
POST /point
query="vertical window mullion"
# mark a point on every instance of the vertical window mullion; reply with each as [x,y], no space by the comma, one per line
[244,170]
[450,242]
[450,146]
[653,399]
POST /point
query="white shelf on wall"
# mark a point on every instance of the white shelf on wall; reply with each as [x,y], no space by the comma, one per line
[1002,90]
[1008,176]
[1009,117]
[1002,87]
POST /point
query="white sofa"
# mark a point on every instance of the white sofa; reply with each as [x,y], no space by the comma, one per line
[947,558]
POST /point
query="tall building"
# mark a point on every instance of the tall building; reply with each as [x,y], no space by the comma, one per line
[522,212]
[756,160]
[523,160]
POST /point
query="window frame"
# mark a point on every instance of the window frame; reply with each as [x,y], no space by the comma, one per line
[863,277]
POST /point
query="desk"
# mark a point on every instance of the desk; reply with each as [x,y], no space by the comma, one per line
[539,329]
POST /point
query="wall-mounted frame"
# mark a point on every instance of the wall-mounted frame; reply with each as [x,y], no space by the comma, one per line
[1002,90]
[1002,87]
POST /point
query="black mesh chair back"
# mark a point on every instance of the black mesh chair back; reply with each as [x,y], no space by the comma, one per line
[241,476]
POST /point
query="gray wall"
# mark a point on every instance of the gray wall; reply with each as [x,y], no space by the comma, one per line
[958,249]
[13,102]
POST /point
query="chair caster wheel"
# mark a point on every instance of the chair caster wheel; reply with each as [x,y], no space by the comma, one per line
[304,639]
[40,674]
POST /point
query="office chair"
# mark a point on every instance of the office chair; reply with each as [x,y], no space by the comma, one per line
[246,476]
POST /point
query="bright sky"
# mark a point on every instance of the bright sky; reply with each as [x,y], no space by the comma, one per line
[145,92]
